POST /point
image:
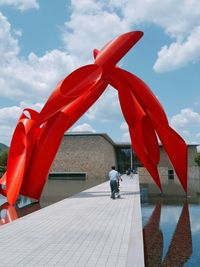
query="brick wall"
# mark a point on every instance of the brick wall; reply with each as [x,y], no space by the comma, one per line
[93,154]
[172,187]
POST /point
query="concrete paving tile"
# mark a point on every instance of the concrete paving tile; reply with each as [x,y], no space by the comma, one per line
[89,229]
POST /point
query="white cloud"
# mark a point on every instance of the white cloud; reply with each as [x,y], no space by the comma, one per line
[187,123]
[125,137]
[90,26]
[102,20]
[186,117]
[107,108]
[179,54]
[35,77]
[85,127]
[92,23]
[6,133]
[10,113]
[35,106]
[9,117]
[86,6]
[180,20]
[124,126]
[31,78]
[9,45]
[20,4]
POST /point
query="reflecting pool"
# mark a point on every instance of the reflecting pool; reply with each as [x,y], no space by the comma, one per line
[171,230]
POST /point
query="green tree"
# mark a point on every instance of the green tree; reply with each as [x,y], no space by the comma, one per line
[3,157]
[197,159]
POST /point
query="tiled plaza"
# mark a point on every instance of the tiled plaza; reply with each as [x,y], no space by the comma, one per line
[88,229]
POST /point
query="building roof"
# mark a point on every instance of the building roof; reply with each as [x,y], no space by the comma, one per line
[107,137]
[88,133]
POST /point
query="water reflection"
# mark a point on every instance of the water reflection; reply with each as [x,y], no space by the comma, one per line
[153,239]
[180,248]
[9,213]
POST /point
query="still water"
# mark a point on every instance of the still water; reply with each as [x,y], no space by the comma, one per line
[53,192]
[171,230]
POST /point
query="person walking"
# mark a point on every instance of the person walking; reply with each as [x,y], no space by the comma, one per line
[114,176]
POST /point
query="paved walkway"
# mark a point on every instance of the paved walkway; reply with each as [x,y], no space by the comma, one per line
[88,229]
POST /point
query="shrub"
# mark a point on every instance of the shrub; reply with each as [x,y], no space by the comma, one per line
[3,157]
[197,159]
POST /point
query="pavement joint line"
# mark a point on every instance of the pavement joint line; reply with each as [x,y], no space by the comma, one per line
[87,229]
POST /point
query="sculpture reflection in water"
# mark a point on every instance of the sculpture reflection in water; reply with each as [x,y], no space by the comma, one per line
[180,248]
[37,136]
[9,213]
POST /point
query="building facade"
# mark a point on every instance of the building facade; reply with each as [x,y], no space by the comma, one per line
[169,180]
[82,161]
[89,156]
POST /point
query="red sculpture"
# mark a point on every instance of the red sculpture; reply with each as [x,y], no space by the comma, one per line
[38,135]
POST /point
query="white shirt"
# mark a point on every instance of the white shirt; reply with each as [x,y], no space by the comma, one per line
[113,175]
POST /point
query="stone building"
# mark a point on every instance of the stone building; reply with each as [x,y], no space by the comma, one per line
[89,156]
[169,180]
[82,161]
[85,154]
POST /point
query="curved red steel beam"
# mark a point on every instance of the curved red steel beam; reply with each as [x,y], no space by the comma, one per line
[116,49]
[143,136]
[38,135]
[73,86]
[173,144]
[47,149]
[16,163]
[20,153]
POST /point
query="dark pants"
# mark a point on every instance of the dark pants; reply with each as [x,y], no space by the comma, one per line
[113,187]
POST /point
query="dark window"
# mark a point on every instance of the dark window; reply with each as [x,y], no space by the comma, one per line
[124,159]
[67,176]
[171,174]
[136,162]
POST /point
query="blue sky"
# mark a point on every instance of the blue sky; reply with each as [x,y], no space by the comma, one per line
[41,42]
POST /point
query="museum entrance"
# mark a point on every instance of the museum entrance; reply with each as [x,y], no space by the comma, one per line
[126,159]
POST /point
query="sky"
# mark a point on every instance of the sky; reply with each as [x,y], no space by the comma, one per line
[41,42]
